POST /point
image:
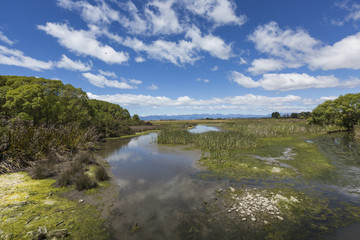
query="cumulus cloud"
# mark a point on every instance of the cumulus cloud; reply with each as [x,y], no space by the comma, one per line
[15,57]
[220,12]
[5,39]
[101,81]
[343,54]
[69,64]
[139,59]
[290,81]
[214,45]
[83,42]
[295,48]
[183,51]
[256,104]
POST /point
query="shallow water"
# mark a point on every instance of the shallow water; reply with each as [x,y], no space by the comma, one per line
[159,187]
[203,128]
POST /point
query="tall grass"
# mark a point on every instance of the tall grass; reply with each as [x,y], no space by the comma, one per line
[210,141]
[239,134]
[273,127]
[25,142]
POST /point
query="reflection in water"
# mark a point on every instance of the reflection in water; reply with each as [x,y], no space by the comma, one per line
[157,187]
[203,128]
[343,152]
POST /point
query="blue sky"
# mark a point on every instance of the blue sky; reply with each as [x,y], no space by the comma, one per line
[188,56]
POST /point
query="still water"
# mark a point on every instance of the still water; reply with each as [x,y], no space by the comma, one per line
[159,190]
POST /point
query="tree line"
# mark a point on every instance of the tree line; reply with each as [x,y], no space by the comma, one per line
[40,116]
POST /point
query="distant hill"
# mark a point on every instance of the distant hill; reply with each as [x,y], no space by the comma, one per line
[198,116]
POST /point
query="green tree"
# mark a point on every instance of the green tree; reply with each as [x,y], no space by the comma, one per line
[275,115]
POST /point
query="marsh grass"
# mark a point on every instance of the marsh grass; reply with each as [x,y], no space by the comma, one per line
[233,152]
[23,143]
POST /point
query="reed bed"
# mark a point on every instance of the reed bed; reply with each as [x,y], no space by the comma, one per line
[239,134]
[210,141]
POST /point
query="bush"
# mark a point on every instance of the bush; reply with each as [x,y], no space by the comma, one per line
[83,182]
[42,170]
[84,158]
[68,175]
[101,174]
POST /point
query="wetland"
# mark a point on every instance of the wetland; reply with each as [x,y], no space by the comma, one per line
[286,187]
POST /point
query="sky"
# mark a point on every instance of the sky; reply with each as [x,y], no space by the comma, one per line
[171,57]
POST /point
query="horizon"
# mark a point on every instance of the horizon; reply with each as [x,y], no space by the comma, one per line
[172,57]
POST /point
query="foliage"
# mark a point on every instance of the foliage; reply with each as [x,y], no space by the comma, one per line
[39,117]
[275,115]
[343,112]
[101,174]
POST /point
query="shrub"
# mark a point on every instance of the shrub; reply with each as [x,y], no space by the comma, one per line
[101,174]
[84,158]
[68,175]
[42,170]
[83,182]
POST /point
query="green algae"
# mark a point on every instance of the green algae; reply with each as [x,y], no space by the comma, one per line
[28,204]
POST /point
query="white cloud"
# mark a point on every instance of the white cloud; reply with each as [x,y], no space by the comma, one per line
[15,57]
[100,14]
[203,80]
[5,39]
[343,54]
[214,45]
[353,12]
[287,44]
[134,81]
[182,52]
[139,59]
[136,24]
[215,68]
[153,87]
[83,42]
[293,49]
[177,53]
[108,74]
[262,65]
[255,104]
[69,64]
[220,12]
[101,81]
[285,81]
[163,17]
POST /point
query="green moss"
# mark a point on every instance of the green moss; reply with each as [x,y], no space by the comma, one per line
[28,204]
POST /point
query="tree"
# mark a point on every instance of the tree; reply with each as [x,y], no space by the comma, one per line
[343,111]
[275,115]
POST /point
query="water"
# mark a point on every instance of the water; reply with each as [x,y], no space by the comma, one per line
[157,187]
[203,128]
[161,194]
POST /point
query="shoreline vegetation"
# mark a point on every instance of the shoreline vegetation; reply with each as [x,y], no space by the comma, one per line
[49,130]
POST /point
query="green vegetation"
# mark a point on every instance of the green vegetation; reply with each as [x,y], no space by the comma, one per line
[343,112]
[41,117]
[244,148]
[28,204]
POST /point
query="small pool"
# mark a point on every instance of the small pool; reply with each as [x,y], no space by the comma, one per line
[203,128]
